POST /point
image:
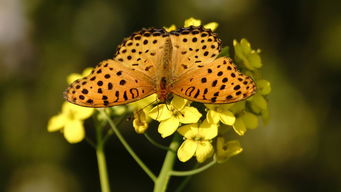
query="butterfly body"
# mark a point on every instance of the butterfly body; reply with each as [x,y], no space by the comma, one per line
[182,62]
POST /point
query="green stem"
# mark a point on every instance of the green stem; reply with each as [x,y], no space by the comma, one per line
[164,176]
[156,144]
[195,171]
[128,148]
[102,166]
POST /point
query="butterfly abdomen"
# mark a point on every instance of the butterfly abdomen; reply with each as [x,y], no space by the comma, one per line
[162,92]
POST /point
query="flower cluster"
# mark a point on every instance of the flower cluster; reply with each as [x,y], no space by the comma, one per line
[204,137]
[205,128]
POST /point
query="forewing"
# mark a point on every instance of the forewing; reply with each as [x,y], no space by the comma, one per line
[193,48]
[109,84]
[143,50]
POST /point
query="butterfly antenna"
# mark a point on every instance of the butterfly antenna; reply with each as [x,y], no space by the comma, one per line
[176,110]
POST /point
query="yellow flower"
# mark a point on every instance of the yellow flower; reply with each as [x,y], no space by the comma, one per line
[198,141]
[197,22]
[171,28]
[192,21]
[140,122]
[70,122]
[213,26]
[170,116]
[258,102]
[221,113]
[141,109]
[245,120]
[74,76]
[246,56]
[225,150]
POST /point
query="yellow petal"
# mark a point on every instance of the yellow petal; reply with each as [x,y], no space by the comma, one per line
[171,28]
[246,46]
[239,126]
[160,113]
[74,131]
[213,117]
[207,131]
[187,150]
[143,103]
[178,103]
[77,112]
[225,150]
[211,106]
[213,26]
[87,71]
[204,151]
[56,123]
[192,21]
[168,127]
[250,120]
[227,117]
[140,126]
[189,131]
[189,115]
[73,77]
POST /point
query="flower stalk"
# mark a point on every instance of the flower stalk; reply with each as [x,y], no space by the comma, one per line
[127,146]
[167,167]
[101,161]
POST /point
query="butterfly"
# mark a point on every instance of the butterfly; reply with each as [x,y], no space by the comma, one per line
[182,62]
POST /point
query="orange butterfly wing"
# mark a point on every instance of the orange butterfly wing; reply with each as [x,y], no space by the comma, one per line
[129,77]
[217,82]
[109,84]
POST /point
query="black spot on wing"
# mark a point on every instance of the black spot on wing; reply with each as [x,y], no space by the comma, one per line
[189,91]
[134,92]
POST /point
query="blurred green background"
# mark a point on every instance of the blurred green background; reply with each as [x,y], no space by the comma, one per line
[42,41]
